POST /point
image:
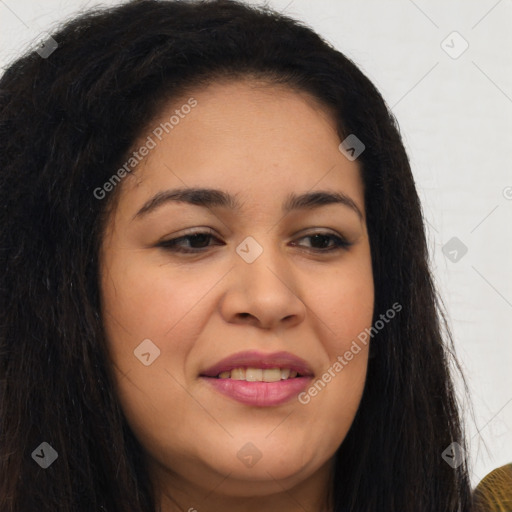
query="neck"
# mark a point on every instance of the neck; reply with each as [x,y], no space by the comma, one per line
[176,494]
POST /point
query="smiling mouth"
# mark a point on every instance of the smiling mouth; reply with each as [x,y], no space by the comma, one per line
[256,379]
[259,374]
[259,387]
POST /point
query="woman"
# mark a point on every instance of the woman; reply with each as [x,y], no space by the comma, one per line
[167,341]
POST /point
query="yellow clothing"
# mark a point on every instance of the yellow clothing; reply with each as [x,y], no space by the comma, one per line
[494,492]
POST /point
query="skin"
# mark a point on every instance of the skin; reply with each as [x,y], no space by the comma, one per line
[259,142]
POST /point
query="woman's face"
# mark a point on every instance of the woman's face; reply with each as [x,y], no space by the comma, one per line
[258,281]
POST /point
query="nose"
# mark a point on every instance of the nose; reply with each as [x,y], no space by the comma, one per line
[265,293]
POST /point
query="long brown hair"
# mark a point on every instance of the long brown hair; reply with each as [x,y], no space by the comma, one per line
[66,121]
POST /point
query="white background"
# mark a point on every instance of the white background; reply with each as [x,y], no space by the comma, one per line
[455,115]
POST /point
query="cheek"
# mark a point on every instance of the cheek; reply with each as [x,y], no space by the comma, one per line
[345,307]
[144,301]
[145,306]
[345,303]
[148,311]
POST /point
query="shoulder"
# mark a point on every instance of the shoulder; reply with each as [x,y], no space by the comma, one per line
[494,492]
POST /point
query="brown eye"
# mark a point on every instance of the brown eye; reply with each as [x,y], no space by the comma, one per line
[320,242]
[197,242]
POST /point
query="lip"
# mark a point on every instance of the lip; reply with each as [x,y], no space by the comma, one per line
[255,359]
[259,394]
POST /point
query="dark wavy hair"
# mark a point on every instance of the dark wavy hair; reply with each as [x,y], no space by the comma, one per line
[67,122]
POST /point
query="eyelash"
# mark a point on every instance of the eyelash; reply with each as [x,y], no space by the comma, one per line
[171,245]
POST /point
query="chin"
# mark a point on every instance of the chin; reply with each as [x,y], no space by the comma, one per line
[263,479]
[251,467]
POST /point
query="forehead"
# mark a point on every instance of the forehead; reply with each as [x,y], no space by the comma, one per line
[251,138]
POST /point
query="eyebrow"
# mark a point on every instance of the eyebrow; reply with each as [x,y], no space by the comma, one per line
[210,198]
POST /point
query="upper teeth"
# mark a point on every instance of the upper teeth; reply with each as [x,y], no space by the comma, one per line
[259,374]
